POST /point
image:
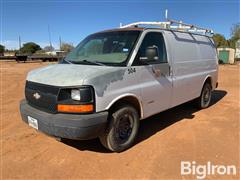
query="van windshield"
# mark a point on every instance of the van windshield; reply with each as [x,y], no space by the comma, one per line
[107,48]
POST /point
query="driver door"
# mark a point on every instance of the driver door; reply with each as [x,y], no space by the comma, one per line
[155,79]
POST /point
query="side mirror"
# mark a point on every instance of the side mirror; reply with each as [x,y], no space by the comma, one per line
[151,54]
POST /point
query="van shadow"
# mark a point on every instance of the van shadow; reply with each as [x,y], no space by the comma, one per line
[151,125]
[158,122]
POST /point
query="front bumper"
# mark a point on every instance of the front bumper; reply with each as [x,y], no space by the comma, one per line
[70,126]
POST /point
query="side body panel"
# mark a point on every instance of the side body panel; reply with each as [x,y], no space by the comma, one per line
[194,58]
[156,91]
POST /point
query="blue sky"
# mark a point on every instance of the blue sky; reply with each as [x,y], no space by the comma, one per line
[73,20]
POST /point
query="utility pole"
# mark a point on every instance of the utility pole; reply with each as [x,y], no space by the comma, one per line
[60,43]
[49,36]
[19,41]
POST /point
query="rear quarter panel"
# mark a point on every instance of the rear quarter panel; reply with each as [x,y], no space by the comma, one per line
[194,58]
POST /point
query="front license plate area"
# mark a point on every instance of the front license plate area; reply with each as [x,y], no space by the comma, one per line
[32,122]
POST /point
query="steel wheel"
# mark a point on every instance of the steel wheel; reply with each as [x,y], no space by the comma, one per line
[122,129]
[205,97]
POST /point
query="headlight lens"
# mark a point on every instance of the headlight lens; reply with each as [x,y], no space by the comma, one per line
[75,94]
[76,100]
[84,94]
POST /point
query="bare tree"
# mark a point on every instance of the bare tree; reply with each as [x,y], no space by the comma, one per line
[48,48]
[67,47]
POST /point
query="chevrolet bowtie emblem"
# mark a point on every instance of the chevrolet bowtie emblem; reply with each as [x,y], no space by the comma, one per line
[36,95]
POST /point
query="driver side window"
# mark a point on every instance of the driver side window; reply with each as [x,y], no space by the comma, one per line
[152,39]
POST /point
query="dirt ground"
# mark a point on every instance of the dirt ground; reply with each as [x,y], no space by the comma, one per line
[180,134]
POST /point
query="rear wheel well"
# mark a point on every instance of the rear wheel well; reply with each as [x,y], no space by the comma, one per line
[130,100]
[208,80]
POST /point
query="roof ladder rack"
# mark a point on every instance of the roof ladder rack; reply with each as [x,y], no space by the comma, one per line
[169,25]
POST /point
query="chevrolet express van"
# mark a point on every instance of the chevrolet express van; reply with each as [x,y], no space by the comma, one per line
[115,78]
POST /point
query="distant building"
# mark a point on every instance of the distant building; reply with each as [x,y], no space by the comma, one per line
[237,53]
[55,53]
[9,53]
[226,55]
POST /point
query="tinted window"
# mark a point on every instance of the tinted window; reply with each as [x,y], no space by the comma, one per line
[152,39]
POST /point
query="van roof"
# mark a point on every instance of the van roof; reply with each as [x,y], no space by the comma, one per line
[143,29]
[123,29]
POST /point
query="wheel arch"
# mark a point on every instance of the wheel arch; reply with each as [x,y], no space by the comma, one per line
[131,99]
[209,80]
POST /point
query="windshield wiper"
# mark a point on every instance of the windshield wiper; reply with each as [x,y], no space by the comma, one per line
[64,61]
[88,62]
[94,62]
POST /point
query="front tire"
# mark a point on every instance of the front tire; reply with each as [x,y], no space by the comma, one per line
[205,98]
[122,129]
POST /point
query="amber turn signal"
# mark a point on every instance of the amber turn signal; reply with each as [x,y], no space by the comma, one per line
[75,108]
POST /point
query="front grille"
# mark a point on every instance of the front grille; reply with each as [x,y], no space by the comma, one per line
[41,96]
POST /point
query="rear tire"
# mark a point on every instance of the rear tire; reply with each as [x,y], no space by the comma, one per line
[122,129]
[205,98]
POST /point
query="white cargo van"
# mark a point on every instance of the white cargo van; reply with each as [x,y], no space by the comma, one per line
[115,78]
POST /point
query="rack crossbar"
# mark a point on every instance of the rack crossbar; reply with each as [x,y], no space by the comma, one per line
[169,25]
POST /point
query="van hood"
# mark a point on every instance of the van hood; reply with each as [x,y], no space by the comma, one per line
[67,74]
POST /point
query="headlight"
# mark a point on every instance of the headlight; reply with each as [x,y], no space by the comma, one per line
[75,94]
[84,94]
[76,100]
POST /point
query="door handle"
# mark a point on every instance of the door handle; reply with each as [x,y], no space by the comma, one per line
[170,71]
